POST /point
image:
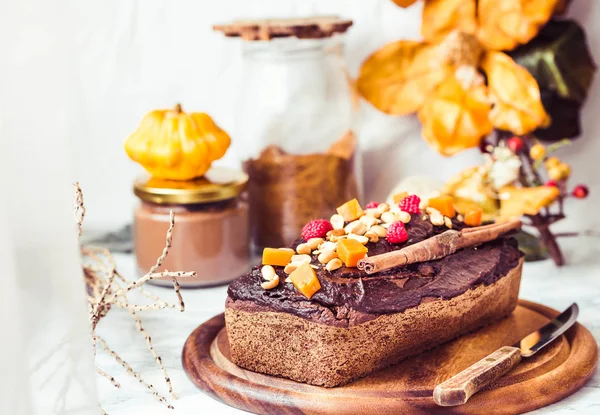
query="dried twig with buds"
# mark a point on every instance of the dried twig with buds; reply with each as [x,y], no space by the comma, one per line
[107,288]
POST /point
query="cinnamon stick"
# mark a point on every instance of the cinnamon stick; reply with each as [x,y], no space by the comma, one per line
[437,246]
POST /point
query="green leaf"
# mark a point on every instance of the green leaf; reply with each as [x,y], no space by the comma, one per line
[531,246]
[560,61]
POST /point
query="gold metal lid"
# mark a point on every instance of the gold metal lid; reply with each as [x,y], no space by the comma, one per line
[219,183]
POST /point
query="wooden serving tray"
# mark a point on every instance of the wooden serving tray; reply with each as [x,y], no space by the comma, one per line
[554,373]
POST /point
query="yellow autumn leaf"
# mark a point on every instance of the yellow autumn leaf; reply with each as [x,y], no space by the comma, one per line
[519,201]
[517,106]
[398,77]
[472,188]
[404,3]
[505,24]
[455,118]
[440,17]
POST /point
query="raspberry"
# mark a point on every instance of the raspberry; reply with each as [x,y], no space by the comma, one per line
[317,228]
[515,144]
[396,233]
[372,205]
[410,204]
[581,191]
[551,183]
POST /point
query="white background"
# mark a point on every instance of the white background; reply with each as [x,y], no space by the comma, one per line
[122,58]
[87,71]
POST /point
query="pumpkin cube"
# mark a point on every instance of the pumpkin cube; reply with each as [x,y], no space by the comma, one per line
[350,210]
[444,204]
[305,280]
[399,196]
[350,251]
[473,216]
[277,256]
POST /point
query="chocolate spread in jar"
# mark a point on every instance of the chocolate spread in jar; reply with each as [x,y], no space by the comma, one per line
[288,190]
[210,235]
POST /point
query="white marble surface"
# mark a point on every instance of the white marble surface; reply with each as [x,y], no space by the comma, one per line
[542,282]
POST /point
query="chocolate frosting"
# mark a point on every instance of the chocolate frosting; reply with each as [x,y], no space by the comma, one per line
[348,295]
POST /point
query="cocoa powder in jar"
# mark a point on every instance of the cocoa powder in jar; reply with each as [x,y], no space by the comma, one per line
[287,190]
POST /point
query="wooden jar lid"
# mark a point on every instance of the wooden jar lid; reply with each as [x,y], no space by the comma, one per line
[315,27]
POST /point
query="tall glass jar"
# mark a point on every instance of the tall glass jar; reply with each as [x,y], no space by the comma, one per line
[294,123]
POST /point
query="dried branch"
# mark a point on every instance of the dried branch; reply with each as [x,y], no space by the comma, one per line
[109,377]
[79,207]
[133,373]
[106,288]
[157,358]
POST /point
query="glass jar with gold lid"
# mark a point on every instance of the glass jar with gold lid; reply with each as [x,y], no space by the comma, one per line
[211,226]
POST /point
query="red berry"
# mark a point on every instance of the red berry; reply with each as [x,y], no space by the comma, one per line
[372,205]
[410,204]
[581,191]
[396,233]
[317,228]
[551,183]
[515,144]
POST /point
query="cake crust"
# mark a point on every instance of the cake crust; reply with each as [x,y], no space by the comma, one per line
[307,350]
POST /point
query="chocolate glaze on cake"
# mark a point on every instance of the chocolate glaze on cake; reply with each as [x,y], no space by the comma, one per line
[349,297]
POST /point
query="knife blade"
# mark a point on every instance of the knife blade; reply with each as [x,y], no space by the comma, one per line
[458,389]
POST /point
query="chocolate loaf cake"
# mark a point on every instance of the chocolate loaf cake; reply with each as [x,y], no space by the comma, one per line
[357,323]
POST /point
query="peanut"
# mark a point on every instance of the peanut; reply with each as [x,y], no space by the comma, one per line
[372,236]
[336,232]
[389,217]
[313,243]
[300,259]
[436,218]
[303,249]
[326,256]
[369,221]
[404,216]
[356,227]
[378,230]
[337,221]
[383,207]
[267,285]
[268,272]
[334,264]
[360,238]
[448,222]
[374,213]
[328,246]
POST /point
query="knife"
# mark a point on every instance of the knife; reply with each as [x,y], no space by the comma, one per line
[460,387]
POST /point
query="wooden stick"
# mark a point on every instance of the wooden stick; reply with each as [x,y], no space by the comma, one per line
[436,247]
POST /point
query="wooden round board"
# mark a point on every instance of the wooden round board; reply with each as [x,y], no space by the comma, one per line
[554,373]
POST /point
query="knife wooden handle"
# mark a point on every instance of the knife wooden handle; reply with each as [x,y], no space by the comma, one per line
[460,387]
